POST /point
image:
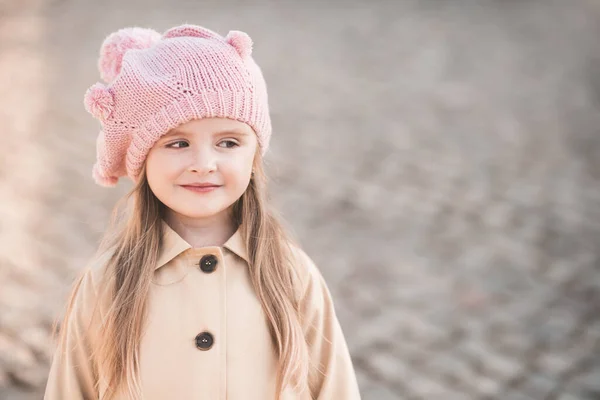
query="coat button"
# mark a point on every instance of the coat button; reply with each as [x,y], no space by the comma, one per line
[208,263]
[204,340]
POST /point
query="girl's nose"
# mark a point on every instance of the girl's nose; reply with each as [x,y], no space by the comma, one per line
[204,161]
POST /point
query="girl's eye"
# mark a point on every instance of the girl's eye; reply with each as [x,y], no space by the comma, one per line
[172,145]
[231,142]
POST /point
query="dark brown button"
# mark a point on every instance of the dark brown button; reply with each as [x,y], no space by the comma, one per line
[204,340]
[208,263]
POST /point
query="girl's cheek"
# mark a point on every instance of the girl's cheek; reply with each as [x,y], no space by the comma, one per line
[175,159]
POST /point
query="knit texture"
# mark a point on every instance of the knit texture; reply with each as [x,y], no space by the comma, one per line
[153,83]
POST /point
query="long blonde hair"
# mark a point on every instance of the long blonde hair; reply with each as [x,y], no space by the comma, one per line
[134,238]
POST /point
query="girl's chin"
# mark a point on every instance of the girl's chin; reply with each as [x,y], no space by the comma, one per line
[197,215]
[196,209]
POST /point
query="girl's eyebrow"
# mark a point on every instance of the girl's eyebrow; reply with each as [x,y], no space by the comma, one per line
[231,131]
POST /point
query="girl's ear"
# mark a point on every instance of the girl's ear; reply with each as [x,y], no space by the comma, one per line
[191,30]
[241,42]
[117,44]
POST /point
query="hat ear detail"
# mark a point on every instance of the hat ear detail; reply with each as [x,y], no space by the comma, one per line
[241,41]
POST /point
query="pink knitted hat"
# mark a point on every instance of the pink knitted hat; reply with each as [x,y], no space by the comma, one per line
[156,82]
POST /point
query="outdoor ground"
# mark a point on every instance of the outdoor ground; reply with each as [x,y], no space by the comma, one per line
[439,160]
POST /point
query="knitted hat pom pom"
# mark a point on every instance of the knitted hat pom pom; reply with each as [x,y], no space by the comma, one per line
[118,43]
[99,101]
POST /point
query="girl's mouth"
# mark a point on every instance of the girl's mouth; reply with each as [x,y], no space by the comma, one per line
[201,189]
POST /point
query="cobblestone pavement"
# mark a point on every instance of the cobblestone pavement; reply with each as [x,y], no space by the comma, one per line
[440,161]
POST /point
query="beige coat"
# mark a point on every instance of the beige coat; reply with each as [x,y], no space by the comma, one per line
[207,336]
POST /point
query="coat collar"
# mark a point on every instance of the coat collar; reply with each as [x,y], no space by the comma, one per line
[173,245]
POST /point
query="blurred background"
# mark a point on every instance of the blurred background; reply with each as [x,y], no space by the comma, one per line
[439,160]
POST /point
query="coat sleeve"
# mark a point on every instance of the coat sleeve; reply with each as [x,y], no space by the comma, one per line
[72,374]
[332,374]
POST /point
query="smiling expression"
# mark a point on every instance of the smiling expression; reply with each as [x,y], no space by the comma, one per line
[218,151]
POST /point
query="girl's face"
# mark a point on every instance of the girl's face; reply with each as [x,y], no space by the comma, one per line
[218,151]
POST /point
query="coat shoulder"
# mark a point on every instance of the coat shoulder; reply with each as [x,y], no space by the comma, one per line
[305,268]
[92,293]
[96,267]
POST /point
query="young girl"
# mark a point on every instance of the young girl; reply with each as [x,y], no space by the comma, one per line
[196,292]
